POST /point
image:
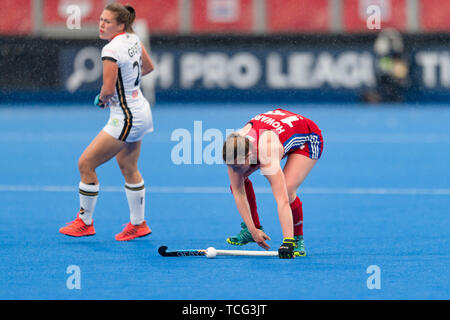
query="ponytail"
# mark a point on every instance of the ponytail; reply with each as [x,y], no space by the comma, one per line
[125,14]
[132,16]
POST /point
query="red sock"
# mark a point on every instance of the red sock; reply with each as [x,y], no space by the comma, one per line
[297,215]
[251,198]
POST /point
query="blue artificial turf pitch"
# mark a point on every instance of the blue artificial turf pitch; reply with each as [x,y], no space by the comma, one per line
[380,196]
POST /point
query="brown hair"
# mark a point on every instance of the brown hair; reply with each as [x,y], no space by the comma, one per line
[235,149]
[124,14]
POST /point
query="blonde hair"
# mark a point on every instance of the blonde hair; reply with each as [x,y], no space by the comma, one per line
[125,14]
[235,149]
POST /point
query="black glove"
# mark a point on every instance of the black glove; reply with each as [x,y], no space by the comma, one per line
[286,250]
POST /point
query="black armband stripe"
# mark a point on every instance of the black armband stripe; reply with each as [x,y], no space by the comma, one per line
[109,58]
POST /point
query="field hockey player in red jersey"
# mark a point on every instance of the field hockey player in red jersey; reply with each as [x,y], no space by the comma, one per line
[261,144]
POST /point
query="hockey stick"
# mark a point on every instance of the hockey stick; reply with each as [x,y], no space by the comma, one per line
[247,253]
[186,253]
[180,253]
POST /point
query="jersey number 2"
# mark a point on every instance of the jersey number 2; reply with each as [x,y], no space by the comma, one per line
[138,78]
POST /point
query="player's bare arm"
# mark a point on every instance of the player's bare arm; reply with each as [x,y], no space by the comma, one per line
[147,63]
[110,70]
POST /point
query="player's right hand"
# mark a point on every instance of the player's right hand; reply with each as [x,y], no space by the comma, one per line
[260,238]
[286,250]
[98,102]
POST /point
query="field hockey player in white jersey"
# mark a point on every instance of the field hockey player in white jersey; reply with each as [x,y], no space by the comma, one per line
[125,61]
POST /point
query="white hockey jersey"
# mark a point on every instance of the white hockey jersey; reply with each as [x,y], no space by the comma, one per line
[125,50]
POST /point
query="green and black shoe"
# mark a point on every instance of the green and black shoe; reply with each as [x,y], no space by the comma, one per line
[299,250]
[243,237]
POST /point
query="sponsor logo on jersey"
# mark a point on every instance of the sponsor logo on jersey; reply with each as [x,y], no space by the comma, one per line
[114,122]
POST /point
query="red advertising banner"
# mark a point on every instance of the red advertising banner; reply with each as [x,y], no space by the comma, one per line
[56,12]
[297,16]
[434,15]
[226,16]
[16,17]
[355,15]
[162,16]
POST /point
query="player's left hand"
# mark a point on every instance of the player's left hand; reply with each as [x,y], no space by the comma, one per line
[286,250]
[260,238]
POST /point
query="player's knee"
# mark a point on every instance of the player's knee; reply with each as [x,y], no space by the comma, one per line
[84,166]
